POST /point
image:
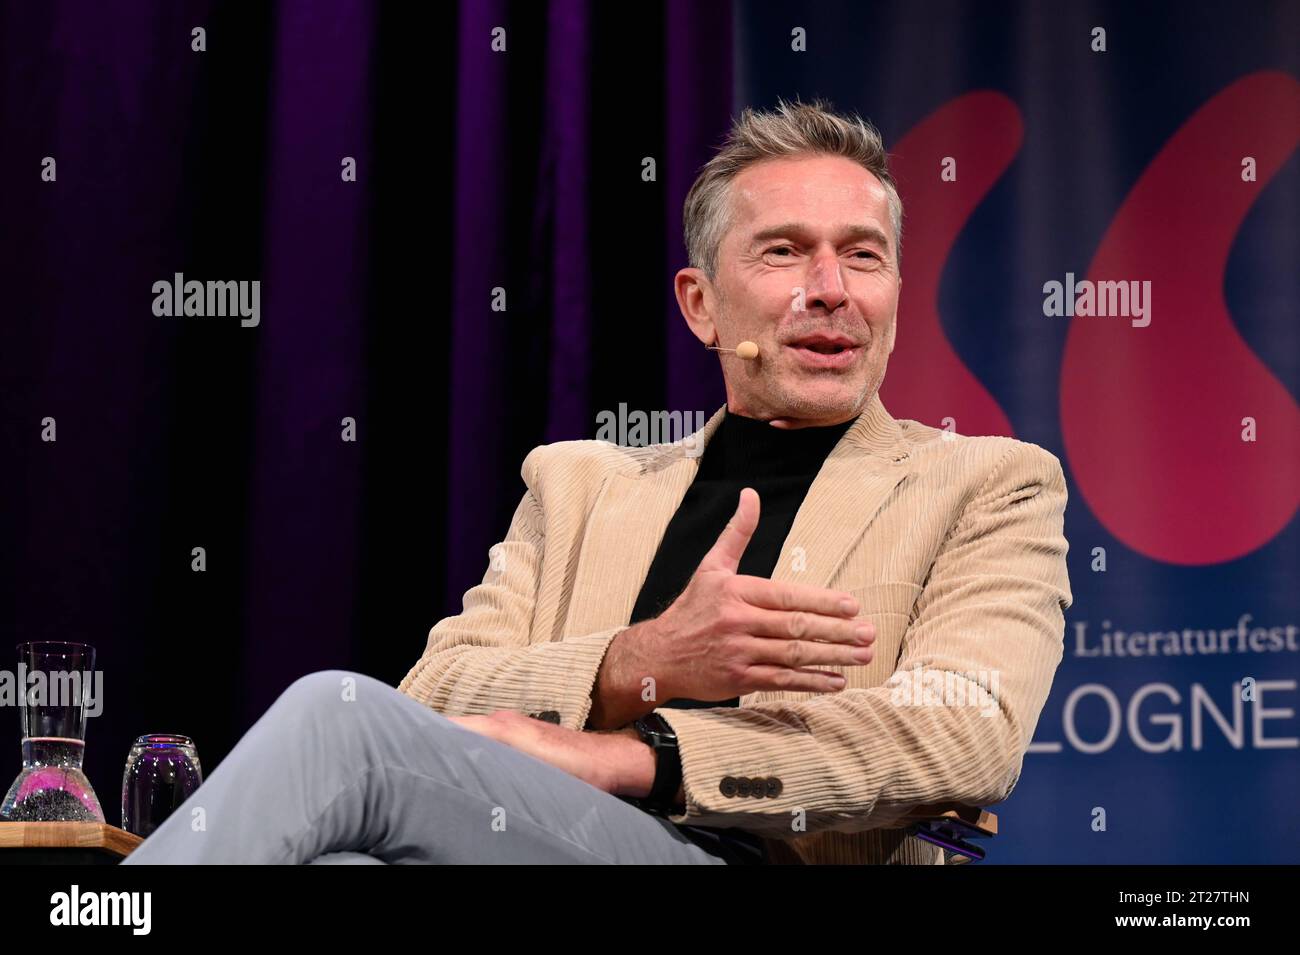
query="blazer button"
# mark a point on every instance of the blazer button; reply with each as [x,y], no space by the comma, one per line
[547,716]
[728,786]
[773,787]
[744,785]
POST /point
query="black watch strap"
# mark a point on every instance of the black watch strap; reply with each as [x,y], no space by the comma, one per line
[657,734]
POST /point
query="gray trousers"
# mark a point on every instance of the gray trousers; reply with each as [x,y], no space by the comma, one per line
[343,768]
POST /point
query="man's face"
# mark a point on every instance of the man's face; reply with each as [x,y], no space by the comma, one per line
[808,272]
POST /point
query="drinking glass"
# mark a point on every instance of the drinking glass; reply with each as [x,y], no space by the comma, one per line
[162,770]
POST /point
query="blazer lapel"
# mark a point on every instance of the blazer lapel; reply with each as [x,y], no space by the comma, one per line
[633,510]
[627,524]
[857,478]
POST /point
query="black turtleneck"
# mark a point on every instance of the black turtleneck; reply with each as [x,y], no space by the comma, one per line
[779,463]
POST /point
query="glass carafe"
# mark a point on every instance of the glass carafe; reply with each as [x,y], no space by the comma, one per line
[56,690]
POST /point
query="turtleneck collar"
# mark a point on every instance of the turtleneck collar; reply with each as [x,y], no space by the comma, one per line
[749,448]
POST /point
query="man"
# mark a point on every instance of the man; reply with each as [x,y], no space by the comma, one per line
[772,651]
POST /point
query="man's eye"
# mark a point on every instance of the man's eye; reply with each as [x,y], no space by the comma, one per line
[778,248]
[866,252]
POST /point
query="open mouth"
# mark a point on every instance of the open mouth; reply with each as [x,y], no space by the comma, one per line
[826,351]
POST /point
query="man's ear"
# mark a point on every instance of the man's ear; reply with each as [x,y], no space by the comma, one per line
[696,298]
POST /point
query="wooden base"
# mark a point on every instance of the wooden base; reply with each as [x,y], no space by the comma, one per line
[65,841]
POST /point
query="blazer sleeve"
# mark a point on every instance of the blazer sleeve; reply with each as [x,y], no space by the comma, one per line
[483,659]
[991,615]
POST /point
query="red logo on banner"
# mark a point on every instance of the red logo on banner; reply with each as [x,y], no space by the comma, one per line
[926,379]
[1152,417]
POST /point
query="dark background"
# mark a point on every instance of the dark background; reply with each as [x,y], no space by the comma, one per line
[181,432]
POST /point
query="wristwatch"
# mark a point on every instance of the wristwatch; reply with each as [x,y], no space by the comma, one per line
[659,736]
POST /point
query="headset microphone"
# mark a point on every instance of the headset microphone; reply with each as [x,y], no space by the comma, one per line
[747,351]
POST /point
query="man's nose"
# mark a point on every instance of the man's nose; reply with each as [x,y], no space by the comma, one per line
[825,283]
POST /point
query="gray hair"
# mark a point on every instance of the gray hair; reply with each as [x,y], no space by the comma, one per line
[793,129]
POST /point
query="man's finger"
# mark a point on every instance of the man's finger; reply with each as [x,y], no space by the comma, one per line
[786,595]
[726,552]
[784,679]
[775,626]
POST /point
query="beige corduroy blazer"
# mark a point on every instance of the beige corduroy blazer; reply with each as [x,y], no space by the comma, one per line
[953,546]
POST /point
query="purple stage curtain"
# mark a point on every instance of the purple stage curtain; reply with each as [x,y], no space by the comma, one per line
[475,169]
